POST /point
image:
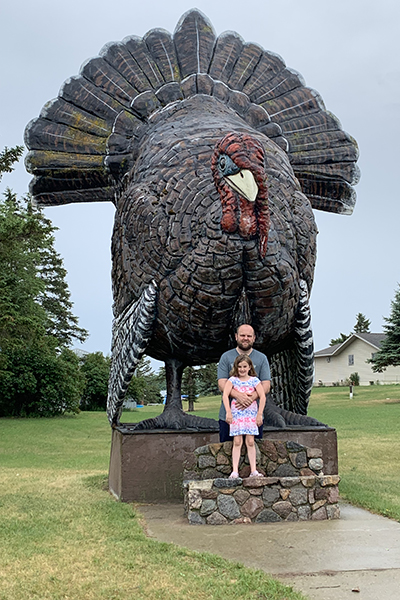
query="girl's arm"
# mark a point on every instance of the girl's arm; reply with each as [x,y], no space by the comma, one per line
[225,400]
[261,405]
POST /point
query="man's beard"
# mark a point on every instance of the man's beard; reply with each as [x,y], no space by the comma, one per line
[245,346]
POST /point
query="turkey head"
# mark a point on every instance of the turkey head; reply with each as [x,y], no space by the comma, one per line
[238,167]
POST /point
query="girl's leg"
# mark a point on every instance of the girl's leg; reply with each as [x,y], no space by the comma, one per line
[251,452]
[237,445]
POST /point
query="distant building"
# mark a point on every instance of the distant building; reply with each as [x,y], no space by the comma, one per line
[129,404]
[335,364]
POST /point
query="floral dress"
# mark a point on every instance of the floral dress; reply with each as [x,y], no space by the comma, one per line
[244,421]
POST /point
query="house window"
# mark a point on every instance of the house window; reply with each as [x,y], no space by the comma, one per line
[351,360]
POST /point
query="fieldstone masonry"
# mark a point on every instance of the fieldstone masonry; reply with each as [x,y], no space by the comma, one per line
[293,486]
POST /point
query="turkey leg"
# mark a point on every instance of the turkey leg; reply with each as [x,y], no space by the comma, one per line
[173,416]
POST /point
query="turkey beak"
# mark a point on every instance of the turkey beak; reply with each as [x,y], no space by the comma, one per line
[244,183]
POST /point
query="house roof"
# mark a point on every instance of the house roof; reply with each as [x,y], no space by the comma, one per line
[373,339]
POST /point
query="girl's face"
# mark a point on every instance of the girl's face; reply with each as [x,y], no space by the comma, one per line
[243,369]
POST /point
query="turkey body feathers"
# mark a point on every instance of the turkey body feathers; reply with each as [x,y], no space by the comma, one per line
[168,229]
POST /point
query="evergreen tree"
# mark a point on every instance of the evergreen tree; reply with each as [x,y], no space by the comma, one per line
[34,296]
[339,340]
[8,157]
[362,324]
[207,380]
[389,352]
[38,374]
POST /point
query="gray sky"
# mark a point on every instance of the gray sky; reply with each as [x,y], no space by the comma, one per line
[348,50]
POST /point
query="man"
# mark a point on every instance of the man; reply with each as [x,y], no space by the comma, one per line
[245,339]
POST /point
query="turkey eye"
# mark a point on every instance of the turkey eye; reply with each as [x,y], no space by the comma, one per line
[222,162]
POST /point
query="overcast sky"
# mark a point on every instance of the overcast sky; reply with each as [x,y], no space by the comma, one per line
[348,50]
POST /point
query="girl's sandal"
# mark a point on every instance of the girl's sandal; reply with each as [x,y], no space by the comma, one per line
[256,474]
[233,475]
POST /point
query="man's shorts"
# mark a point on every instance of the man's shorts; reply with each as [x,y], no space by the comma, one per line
[224,432]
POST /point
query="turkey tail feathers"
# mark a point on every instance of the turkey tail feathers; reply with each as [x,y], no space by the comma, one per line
[87,139]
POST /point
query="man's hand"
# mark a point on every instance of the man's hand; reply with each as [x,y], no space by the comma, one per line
[259,419]
[228,417]
[243,400]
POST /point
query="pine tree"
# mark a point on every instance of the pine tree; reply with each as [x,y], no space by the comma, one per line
[34,296]
[389,352]
[207,380]
[8,157]
[39,375]
[339,340]
[362,324]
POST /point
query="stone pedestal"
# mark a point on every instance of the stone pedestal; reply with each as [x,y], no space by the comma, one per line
[147,466]
[291,486]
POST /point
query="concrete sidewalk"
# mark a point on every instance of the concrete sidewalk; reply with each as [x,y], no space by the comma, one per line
[357,556]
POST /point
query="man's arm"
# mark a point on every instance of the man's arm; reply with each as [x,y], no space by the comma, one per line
[242,400]
[266,386]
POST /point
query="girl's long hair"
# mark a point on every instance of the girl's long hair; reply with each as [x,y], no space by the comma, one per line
[239,359]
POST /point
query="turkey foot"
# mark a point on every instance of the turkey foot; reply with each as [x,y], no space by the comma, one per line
[176,418]
[274,416]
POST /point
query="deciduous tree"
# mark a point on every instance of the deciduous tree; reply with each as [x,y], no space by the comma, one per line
[95,368]
[145,385]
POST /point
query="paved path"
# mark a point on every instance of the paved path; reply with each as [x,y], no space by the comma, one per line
[326,560]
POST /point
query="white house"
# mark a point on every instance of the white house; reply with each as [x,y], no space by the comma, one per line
[336,363]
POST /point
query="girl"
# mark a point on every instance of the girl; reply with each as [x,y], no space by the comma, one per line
[246,421]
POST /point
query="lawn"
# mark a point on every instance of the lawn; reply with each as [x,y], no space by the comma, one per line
[62,536]
[368,443]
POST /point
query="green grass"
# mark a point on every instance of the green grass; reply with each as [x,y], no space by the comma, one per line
[63,536]
[368,443]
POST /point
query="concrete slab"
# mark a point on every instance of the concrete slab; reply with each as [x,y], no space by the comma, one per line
[357,556]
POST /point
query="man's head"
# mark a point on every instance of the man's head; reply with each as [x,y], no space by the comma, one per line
[245,338]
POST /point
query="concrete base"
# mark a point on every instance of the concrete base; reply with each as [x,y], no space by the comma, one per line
[147,466]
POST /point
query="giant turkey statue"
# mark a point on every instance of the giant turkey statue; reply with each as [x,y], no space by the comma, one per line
[214,154]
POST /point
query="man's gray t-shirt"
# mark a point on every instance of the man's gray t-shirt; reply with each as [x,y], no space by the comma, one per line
[225,365]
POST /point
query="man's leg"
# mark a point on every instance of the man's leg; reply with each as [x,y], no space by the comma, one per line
[224,431]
